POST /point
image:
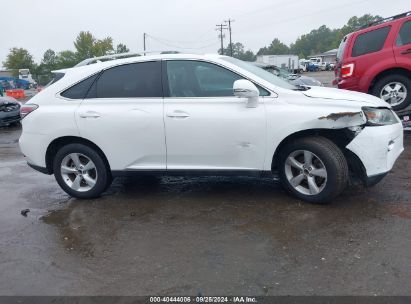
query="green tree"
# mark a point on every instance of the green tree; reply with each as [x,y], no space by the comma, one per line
[87,46]
[19,58]
[102,47]
[84,45]
[353,24]
[48,63]
[239,52]
[122,48]
[317,41]
[66,59]
[275,48]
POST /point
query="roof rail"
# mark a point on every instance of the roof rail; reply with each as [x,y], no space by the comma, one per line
[118,56]
[402,15]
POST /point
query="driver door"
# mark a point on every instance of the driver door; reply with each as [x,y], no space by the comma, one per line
[206,127]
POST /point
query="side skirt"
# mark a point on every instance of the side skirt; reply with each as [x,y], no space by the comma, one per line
[249,173]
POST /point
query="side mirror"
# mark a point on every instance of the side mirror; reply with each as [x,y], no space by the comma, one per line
[246,89]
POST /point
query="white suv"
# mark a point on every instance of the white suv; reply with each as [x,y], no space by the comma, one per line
[205,115]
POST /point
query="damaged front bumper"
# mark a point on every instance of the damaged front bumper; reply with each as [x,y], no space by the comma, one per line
[378,147]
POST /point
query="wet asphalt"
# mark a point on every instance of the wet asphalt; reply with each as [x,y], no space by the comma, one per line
[214,236]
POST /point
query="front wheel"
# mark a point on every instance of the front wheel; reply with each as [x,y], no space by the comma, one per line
[395,90]
[81,171]
[313,169]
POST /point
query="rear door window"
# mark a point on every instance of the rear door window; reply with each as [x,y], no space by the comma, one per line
[370,42]
[131,80]
[404,36]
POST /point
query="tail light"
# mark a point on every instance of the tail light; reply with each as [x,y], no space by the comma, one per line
[347,70]
[26,109]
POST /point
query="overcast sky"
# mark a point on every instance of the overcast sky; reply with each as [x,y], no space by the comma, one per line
[184,25]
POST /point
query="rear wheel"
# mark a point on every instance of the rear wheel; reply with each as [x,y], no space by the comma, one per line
[81,171]
[313,169]
[395,90]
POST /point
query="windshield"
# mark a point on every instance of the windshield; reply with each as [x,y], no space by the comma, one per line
[267,76]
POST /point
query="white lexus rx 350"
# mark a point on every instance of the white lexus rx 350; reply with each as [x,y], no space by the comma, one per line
[205,115]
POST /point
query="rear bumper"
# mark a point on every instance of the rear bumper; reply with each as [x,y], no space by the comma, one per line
[34,148]
[378,148]
[352,84]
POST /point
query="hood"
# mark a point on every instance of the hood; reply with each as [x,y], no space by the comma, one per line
[338,94]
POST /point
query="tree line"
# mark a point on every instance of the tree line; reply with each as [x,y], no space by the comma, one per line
[87,46]
[317,41]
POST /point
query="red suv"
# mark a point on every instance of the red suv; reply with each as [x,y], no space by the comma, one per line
[377,60]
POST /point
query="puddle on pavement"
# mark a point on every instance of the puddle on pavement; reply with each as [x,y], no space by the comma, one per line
[246,206]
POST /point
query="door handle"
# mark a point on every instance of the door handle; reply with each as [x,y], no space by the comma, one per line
[178,114]
[89,114]
[406,52]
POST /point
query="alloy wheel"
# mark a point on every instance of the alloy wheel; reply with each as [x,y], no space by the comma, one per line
[78,172]
[306,172]
[394,93]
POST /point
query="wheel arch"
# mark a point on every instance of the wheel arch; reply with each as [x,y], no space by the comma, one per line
[390,71]
[60,142]
[340,137]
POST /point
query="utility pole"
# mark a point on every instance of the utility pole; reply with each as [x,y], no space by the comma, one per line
[144,42]
[229,29]
[221,27]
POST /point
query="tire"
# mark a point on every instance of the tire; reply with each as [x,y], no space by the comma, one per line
[325,156]
[76,175]
[379,89]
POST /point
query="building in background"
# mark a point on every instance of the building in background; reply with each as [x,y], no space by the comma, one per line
[327,57]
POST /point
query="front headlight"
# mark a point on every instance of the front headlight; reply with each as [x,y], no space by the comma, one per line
[379,116]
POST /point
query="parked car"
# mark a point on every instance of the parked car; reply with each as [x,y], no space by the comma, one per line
[323,66]
[312,67]
[295,79]
[14,83]
[377,60]
[205,115]
[9,111]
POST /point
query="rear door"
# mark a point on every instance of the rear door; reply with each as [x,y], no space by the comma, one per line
[402,46]
[370,48]
[123,115]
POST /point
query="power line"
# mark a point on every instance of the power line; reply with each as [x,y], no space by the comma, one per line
[185,41]
[277,5]
[298,18]
[179,47]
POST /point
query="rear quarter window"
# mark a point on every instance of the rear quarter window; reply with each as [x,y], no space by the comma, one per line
[404,36]
[80,90]
[341,48]
[370,42]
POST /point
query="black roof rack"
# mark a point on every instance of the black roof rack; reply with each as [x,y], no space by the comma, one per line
[386,20]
